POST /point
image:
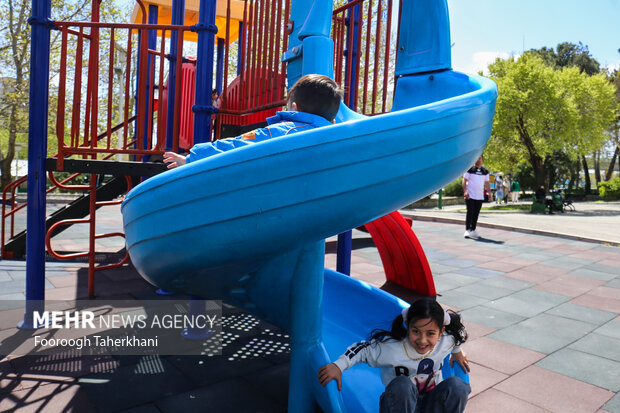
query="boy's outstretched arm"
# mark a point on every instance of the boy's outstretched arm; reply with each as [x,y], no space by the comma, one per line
[328,372]
[173,159]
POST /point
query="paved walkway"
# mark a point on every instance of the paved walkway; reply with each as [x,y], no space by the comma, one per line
[591,221]
[542,312]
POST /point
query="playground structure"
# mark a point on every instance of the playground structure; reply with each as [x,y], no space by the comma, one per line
[122,90]
[352,173]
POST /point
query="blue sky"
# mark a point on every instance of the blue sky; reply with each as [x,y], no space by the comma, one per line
[482,30]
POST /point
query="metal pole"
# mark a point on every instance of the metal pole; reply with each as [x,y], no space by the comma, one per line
[440,200]
[37,152]
[240,55]
[219,75]
[345,240]
[178,17]
[203,107]
[150,77]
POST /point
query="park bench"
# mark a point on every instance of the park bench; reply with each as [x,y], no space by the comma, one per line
[557,203]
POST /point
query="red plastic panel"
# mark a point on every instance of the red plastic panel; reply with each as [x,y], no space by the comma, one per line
[188,81]
[404,260]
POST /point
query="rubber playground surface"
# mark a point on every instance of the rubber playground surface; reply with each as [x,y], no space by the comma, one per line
[542,312]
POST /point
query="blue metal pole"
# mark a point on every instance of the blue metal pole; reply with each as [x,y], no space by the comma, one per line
[343,255]
[345,240]
[203,107]
[219,74]
[239,61]
[148,110]
[37,152]
[178,17]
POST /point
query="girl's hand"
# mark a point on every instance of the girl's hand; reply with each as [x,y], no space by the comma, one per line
[460,358]
[328,372]
[173,159]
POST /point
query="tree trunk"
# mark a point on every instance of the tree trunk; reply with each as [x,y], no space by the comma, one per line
[597,166]
[586,172]
[541,173]
[612,163]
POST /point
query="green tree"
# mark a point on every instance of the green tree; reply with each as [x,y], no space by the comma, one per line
[541,110]
[569,54]
[614,131]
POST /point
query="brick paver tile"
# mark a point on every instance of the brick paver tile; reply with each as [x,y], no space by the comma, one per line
[475,330]
[498,355]
[607,292]
[492,400]
[570,285]
[554,392]
[598,302]
[501,265]
[482,378]
[537,273]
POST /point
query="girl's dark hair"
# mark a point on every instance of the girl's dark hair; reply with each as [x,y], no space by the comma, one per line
[420,309]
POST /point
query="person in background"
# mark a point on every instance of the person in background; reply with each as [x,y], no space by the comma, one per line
[499,190]
[515,188]
[475,182]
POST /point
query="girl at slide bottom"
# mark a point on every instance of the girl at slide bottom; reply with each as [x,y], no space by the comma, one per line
[409,357]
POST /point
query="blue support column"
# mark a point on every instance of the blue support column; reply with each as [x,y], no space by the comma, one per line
[178,17]
[239,61]
[148,110]
[219,74]
[203,107]
[343,257]
[37,152]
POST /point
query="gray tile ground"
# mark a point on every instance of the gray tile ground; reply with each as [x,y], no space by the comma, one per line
[605,268]
[599,345]
[613,405]
[485,291]
[544,333]
[528,303]
[490,317]
[459,262]
[611,329]
[585,367]
[479,272]
[578,312]
[507,282]
[597,275]
[460,300]
[449,281]
[568,263]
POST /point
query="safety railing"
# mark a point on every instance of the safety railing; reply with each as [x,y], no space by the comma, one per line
[261,85]
[91,221]
[110,73]
[364,41]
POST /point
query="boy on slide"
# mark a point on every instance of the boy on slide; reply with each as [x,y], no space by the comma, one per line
[312,102]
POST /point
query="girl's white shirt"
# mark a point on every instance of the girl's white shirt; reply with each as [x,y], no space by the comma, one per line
[390,358]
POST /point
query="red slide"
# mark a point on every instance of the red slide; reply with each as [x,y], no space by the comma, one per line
[402,255]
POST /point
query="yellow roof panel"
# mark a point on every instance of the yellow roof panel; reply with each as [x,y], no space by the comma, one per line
[164,14]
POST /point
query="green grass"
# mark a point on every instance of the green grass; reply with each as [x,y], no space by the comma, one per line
[507,207]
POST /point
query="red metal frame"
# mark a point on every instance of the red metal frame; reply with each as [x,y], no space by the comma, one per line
[372,101]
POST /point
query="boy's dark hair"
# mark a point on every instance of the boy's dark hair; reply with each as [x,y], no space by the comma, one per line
[421,309]
[316,94]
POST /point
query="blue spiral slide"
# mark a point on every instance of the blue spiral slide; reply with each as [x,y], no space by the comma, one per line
[248,226]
